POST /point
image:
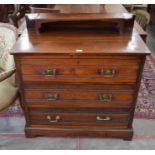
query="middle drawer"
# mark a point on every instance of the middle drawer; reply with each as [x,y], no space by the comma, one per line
[80,97]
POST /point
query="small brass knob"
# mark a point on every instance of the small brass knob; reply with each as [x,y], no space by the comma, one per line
[51,97]
[105,97]
[50,72]
[98,118]
[48,117]
[108,72]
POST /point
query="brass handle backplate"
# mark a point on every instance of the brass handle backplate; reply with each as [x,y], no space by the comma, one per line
[56,119]
[51,97]
[105,97]
[98,118]
[108,72]
[50,72]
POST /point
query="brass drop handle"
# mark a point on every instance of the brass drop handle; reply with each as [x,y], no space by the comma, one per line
[105,97]
[98,118]
[51,97]
[108,72]
[57,118]
[50,72]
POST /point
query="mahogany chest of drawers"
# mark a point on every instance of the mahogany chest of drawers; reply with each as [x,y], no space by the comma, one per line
[79,83]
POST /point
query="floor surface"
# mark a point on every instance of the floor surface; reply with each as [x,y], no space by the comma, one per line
[12,137]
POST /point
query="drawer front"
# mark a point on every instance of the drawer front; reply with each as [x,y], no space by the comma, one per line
[80,70]
[84,96]
[77,119]
[66,95]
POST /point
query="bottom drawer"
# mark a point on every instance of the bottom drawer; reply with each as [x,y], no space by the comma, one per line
[104,119]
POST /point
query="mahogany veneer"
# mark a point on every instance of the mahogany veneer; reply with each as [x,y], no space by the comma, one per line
[79,82]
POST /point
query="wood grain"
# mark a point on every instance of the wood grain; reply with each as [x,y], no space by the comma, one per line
[72,89]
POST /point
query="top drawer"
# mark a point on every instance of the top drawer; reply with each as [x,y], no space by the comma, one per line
[80,70]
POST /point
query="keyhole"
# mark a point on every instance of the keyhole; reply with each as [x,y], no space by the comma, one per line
[78,62]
